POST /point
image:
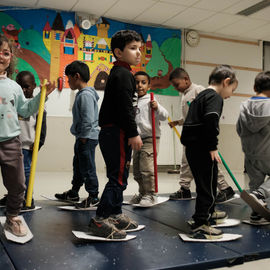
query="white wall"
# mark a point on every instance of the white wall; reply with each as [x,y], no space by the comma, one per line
[57,152]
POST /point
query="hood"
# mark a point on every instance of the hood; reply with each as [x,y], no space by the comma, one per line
[92,90]
[254,115]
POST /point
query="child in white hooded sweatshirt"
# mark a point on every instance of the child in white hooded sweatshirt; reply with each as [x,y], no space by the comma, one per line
[253,127]
[143,159]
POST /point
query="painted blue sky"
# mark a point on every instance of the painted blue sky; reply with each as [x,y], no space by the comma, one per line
[36,19]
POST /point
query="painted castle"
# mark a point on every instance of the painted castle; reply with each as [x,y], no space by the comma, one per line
[67,44]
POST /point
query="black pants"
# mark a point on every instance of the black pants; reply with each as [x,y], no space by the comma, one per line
[204,171]
[117,155]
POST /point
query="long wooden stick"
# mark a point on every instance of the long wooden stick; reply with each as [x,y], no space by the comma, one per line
[36,145]
[154,144]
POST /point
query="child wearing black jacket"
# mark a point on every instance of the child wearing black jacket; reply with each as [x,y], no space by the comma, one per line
[199,135]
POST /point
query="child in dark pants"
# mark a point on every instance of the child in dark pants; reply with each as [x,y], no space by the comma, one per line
[199,135]
[85,129]
[118,136]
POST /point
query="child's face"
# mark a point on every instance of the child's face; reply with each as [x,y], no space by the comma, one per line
[142,85]
[180,84]
[5,57]
[28,86]
[131,53]
[72,81]
[228,89]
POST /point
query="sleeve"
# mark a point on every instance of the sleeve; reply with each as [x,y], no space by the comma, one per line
[162,113]
[87,113]
[212,113]
[43,130]
[27,107]
[125,94]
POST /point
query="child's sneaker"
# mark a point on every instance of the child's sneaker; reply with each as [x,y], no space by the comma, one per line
[225,195]
[258,197]
[3,201]
[205,232]
[180,194]
[104,228]
[219,216]
[123,222]
[69,195]
[135,199]
[15,226]
[148,200]
[88,202]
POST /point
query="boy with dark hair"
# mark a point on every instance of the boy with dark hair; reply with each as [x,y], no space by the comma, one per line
[253,127]
[180,79]
[85,129]
[143,159]
[199,135]
[118,136]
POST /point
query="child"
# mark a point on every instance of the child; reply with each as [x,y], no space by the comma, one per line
[12,103]
[253,127]
[26,80]
[180,79]
[85,129]
[118,136]
[143,159]
[199,135]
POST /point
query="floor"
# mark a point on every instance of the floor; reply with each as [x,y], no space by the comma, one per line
[49,183]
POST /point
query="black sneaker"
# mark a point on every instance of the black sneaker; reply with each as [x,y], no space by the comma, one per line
[3,201]
[123,222]
[104,228]
[69,195]
[225,195]
[27,208]
[181,194]
[87,203]
[205,232]
[259,197]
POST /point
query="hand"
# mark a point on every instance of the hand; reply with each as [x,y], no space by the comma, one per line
[215,156]
[49,87]
[135,142]
[173,123]
[154,105]
[83,140]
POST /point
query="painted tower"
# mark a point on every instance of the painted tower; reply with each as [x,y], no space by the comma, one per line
[47,36]
[57,33]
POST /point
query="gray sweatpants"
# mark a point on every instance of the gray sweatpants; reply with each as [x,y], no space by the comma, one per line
[143,167]
[257,170]
[11,162]
[186,176]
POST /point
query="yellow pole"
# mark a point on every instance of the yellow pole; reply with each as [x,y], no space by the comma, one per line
[174,128]
[36,145]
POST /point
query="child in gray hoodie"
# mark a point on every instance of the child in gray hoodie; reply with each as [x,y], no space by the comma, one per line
[253,127]
[85,129]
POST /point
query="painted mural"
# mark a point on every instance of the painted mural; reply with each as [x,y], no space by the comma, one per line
[46,41]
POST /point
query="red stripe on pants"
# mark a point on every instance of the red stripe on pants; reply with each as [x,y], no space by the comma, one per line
[122,157]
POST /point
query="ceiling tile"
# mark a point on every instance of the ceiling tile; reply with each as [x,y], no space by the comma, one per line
[241,26]
[189,17]
[59,4]
[216,22]
[216,5]
[159,13]
[262,14]
[93,6]
[128,9]
[181,2]
[19,3]
[241,5]
[259,32]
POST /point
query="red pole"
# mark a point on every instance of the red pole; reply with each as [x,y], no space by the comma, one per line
[154,144]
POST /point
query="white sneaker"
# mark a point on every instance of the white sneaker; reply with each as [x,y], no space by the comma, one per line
[148,200]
